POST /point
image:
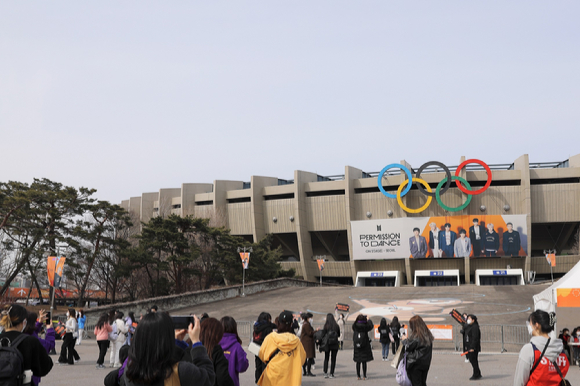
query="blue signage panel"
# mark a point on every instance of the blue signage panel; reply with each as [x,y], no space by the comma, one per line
[377,274]
[495,273]
[435,273]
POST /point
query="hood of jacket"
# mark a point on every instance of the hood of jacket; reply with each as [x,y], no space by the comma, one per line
[260,327]
[228,341]
[554,348]
[286,342]
[360,326]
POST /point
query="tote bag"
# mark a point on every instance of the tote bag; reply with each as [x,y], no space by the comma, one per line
[401,376]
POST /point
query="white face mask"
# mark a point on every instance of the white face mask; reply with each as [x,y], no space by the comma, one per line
[530,329]
[469,321]
[310,320]
[68,314]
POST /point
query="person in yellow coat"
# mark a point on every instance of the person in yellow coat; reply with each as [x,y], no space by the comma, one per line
[283,354]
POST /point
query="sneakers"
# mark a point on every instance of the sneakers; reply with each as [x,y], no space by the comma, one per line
[100,367]
[474,378]
[466,360]
[325,375]
[331,376]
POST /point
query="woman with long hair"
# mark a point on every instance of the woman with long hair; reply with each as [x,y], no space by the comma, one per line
[68,354]
[210,335]
[362,353]
[36,362]
[262,328]
[231,343]
[533,369]
[283,354]
[101,331]
[385,337]
[419,351]
[116,345]
[395,332]
[330,344]
[154,358]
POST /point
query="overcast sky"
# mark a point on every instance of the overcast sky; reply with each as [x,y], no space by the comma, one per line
[131,96]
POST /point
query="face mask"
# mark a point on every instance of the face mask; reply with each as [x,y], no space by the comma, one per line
[530,329]
[578,333]
[24,325]
[68,314]
[469,321]
[310,320]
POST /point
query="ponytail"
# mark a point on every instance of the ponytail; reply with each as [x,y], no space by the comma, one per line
[547,321]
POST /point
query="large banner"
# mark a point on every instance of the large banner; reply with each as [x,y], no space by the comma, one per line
[54,268]
[440,237]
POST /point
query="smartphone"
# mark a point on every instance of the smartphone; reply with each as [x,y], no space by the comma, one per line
[182,322]
[48,318]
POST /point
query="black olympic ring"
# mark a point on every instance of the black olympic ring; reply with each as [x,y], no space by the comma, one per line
[441,165]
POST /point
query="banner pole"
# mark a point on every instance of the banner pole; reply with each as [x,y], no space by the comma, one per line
[52,301]
[243,281]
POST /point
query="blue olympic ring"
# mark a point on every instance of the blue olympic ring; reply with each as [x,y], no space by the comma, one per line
[403,168]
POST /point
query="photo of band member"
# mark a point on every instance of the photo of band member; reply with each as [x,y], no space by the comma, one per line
[456,239]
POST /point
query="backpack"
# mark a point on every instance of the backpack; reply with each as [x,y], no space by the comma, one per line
[360,339]
[113,335]
[11,362]
[332,338]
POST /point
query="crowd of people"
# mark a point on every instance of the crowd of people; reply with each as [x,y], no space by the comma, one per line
[151,351]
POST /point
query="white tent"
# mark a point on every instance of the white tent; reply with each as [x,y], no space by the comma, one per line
[561,297]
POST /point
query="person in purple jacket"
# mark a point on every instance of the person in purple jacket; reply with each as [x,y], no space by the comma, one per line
[233,351]
[34,326]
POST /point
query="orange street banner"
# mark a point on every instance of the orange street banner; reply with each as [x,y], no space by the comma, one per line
[55,267]
[320,264]
[245,256]
[551,258]
[568,297]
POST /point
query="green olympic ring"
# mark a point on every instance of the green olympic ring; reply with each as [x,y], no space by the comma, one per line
[448,208]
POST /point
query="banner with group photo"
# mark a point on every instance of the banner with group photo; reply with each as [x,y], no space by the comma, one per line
[55,267]
[440,237]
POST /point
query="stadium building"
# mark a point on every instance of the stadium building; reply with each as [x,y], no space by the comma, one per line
[366,232]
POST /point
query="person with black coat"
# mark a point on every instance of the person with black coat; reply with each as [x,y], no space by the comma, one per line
[362,352]
[419,349]
[396,333]
[385,337]
[262,328]
[35,358]
[473,345]
[307,340]
[463,331]
[330,344]
[210,335]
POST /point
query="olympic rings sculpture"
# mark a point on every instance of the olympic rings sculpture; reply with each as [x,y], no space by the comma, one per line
[442,187]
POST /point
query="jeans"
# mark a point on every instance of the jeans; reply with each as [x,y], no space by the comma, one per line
[332,354]
[385,349]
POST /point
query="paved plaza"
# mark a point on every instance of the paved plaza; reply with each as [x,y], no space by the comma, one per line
[446,369]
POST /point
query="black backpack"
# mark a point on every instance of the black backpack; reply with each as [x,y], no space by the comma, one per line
[332,337]
[360,339]
[11,362]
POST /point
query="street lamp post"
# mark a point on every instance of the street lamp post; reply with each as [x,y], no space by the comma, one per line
[244,266]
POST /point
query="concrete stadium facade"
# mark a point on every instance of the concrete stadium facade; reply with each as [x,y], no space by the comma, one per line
[310,215]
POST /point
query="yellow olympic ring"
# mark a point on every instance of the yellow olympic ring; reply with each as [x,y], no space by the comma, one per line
[418,210]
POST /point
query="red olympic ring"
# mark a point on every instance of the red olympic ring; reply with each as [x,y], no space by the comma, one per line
[473,161]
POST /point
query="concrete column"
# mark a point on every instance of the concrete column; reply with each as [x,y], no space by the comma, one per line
[165,200]
[135,214]
[220,190]
[309,267]
[188,192]
[523,164]
[350,174]
[257,206]
[147,201]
